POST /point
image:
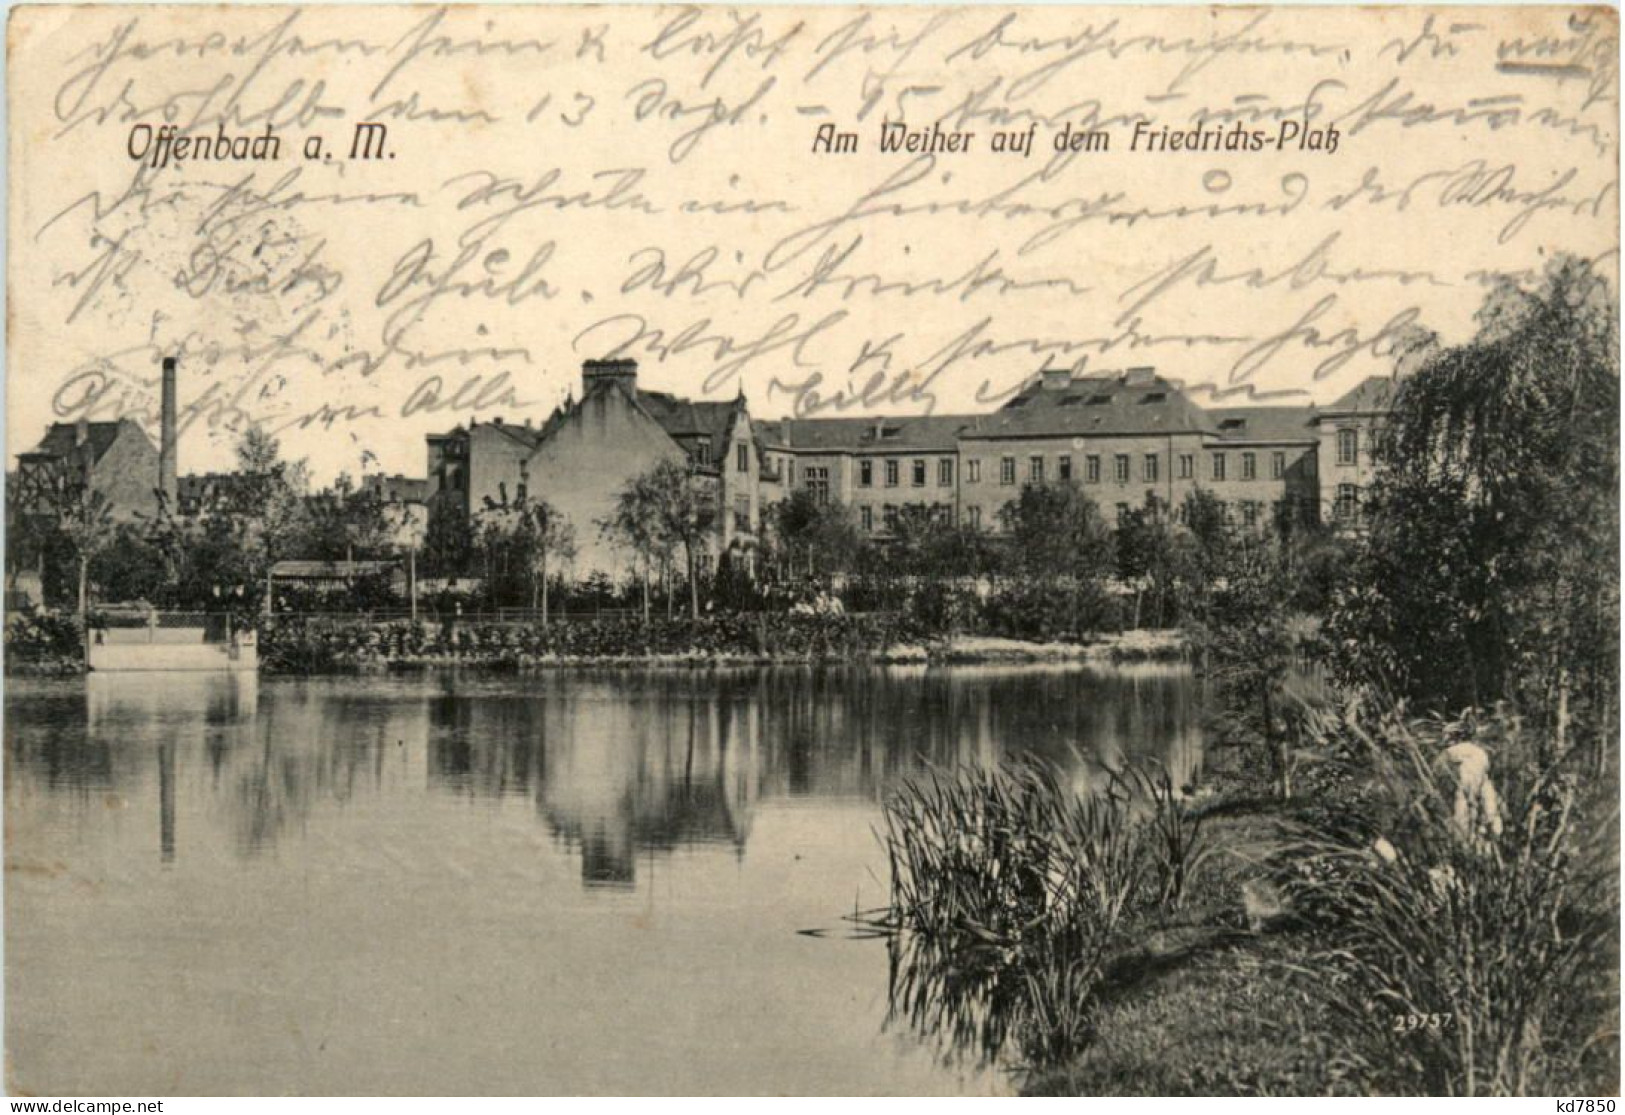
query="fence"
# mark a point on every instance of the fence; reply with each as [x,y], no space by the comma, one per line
[513,616]
[126,626]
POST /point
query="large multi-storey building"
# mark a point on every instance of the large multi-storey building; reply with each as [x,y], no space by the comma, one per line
[1122,437]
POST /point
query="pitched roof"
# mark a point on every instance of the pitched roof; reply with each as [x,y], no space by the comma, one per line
[1277,425]
[871,434]
[1374,394]
[527,436]
[683,420]
[1130,403]
[685,416]
[62,438]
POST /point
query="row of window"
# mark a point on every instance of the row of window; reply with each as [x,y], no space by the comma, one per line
[1037,469]
[1250,511]
[1122,468]
[918,472]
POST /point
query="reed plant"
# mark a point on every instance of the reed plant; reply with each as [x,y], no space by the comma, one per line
[1472,936]
[1012,890]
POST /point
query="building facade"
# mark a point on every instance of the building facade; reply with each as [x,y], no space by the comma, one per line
[1346,434]
[581,458]
[1124,438]
[114,459]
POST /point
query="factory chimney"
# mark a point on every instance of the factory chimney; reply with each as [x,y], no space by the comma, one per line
[166,435]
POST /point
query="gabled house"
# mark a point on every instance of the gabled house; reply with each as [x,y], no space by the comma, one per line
[116,459]
[470,468]
[584,454]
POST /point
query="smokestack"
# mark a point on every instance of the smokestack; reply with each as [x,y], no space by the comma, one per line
[166,435]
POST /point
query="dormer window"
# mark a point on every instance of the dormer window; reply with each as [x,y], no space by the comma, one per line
[1155,397]
[1099,400]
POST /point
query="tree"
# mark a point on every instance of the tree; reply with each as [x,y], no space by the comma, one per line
[684,510]
[1489,569]
[1059,550]
[635,524]
[813,534]
[544,533]
[1145,553]
[132,566]
[1203,542]
[449,538]
[1246,650]
[346,524]
[86,522]
[270,494]
[407,528]
[1056,531]
[924,542]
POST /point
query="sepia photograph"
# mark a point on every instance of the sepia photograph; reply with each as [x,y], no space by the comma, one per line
[885,551]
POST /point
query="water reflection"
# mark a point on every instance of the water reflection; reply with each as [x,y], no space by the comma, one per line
[442,883]
[619,764]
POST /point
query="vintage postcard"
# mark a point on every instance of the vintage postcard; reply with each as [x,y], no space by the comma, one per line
[799,550]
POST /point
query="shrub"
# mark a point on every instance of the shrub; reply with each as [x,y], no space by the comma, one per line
[1047,611]
[39,638]
[310,645]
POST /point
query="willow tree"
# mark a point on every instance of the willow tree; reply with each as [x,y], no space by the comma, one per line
[1490,568]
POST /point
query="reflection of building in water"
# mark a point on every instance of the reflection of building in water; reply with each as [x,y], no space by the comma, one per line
[616,767]
[625,764]
[180,709]
[311,746]
[656,775]
[166,801]
[266,769]
[119,700]
[620,766]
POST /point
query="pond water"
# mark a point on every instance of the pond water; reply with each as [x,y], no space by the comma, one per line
[576,882]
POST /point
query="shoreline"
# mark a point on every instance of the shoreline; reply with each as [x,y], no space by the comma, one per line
[1129,646]
[962,650]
